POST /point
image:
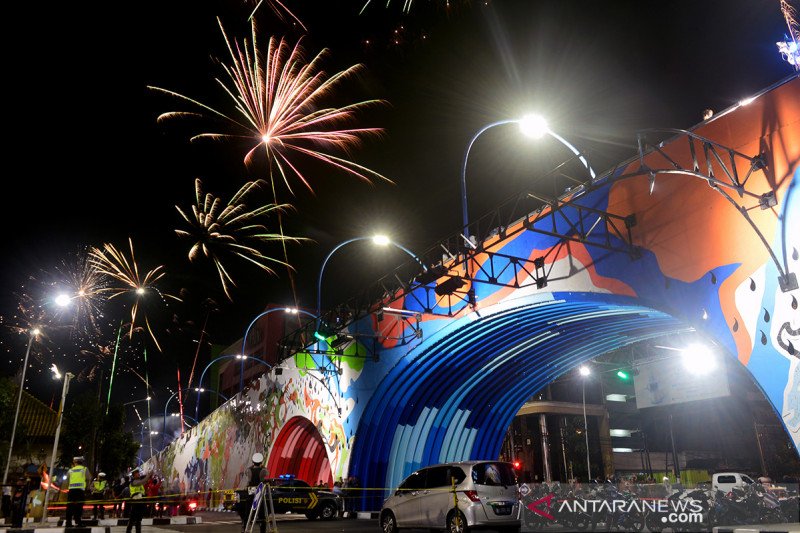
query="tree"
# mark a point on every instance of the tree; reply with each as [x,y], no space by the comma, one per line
[8,406]
[117,447]
[114,449]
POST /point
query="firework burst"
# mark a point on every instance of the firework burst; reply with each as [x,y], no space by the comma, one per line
[278,100]
[280,9]
[219,229]
[86,285]
[126,280]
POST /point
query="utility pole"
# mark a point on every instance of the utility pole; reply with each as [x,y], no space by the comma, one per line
[33,334]
[67,377]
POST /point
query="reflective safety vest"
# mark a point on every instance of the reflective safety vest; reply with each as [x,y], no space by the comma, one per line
[77,477]
[99,486]
[137,491]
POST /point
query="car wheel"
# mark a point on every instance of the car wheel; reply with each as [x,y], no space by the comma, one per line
[328,511]
[388,523]
[456,523]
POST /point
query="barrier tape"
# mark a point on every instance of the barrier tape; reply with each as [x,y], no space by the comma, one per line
[178,497]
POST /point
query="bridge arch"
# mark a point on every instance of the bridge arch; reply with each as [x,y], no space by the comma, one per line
[300,451]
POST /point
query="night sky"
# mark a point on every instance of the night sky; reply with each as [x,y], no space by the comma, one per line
[91,165]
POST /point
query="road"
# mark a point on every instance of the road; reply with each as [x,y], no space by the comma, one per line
[230,523]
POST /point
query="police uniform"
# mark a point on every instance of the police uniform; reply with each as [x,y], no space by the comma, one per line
[99,488]
[246,500]
[136,489]
[77,477]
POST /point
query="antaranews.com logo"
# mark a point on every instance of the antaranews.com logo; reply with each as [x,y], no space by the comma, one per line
[671,511]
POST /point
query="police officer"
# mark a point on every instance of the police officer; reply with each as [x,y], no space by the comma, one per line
[79,478]
[136,503]
[99,492]
[258,474]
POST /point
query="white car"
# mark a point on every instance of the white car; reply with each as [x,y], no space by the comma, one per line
[486,496]
[726,481]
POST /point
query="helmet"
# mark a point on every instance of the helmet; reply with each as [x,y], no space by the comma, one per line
[101,474]
[78,459]
[258,458]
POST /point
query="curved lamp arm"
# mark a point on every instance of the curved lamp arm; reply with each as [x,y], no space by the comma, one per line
[345,243]
[559,138]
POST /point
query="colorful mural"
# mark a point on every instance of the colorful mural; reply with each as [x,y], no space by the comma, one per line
[446,388]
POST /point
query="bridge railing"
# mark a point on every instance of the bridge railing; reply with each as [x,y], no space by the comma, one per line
[522,212]
[445,258]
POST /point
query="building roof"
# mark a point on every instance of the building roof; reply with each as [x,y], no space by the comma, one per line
[38,419]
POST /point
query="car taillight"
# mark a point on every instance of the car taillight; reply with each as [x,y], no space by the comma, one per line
[472,495]
[192,505]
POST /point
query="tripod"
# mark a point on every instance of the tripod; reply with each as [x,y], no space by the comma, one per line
[262,507]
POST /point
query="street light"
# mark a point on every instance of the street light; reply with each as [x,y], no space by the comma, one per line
[32,334]
[698,359]
[243,356]
[67,377]
[378,240]
[533,126]
[585,372]
[237,356]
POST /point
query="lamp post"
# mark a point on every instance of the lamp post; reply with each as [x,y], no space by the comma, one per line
[533,126]
[378,240]
[32,334]
[67,377]
[200,388]
[584,372]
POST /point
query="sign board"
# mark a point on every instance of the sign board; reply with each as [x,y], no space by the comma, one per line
[665,382]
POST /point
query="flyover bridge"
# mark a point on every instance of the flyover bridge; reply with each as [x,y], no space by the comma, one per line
[699,232]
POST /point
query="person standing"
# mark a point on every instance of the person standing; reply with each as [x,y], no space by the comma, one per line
[258,474]
[99,494]
[79,478]
[137,488]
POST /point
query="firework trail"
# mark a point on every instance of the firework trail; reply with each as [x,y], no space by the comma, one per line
[280,9]
[113,263]
[219,229]
[789,14]
[406,5]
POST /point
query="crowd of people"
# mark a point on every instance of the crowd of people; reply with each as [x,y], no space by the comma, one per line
[134,496]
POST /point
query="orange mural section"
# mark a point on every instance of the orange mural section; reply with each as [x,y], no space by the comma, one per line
[690,227]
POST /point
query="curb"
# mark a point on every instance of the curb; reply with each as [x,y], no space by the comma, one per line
[105,525]
[95,529]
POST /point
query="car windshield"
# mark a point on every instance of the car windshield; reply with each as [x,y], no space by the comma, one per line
[493,474]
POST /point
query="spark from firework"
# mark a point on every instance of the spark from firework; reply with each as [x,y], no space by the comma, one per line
[278,100]
[112,262]
[789,15]
[86,285]
[406,5]
[219,229]
[29,316]
[92,361]
[789,48]
[280,9]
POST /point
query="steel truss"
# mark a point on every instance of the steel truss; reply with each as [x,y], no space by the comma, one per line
[467,263]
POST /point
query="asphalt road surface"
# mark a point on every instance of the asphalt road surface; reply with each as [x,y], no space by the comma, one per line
[230,523]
